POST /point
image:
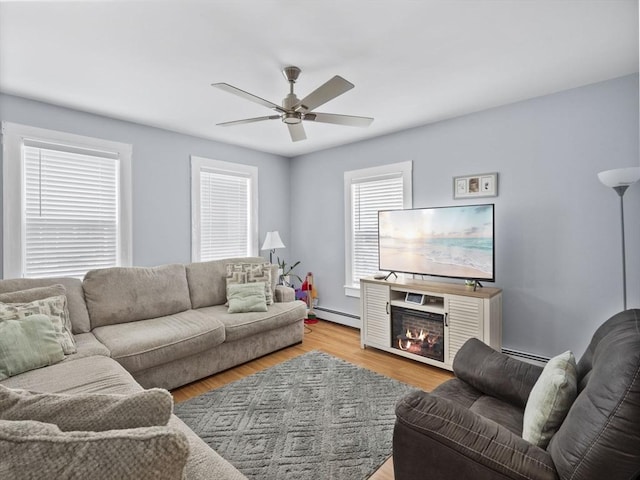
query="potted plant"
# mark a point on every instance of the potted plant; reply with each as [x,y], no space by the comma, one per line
[286,272]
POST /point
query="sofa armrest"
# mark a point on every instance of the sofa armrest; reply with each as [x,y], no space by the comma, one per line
[495,373]
[438,438]
[284,294]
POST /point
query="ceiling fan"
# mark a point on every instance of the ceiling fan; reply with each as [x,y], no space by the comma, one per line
[293,111]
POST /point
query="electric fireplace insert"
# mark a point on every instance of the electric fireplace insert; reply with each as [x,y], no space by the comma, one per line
[418,332]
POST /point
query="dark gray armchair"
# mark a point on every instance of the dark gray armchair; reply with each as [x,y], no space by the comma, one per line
[470,427]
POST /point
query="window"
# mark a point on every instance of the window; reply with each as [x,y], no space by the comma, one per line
[368,190]
[224,210]
[66,203]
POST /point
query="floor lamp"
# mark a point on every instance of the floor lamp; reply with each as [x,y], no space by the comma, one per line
[620,179]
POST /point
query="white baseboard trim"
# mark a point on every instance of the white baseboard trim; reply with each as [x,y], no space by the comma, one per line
[338,317]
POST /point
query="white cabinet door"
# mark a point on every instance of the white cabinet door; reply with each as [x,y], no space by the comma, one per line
[376,320]
[464,317]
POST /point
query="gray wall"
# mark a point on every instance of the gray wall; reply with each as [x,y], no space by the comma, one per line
[162,176]
[557,227]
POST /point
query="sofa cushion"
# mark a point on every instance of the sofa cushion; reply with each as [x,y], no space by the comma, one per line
[246,297]
[31,294]
[38,450]
[94,412]
[494,373]
[97,374]
[75,296]
[550,399]
[147,343]
[127,294]
[501,412]
[87,345]
[239,326]
[55,308]
[27,344]
[207,285]
[504,413]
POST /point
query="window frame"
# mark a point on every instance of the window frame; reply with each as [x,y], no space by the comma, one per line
[225,168]
[404,169]
[13,196]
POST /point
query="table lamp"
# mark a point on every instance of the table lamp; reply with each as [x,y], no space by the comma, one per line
[271,242]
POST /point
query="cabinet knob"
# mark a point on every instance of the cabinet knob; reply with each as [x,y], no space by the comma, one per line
[446,319]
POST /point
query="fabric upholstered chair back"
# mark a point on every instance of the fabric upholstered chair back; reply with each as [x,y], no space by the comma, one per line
[600,437]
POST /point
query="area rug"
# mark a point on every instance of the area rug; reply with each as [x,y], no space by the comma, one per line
[312,417]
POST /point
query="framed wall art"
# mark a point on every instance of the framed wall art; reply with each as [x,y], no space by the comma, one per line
[479,185]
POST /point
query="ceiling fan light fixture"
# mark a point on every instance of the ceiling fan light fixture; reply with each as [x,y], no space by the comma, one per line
[291,118]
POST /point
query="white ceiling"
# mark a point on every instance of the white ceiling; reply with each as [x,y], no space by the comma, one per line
[413,62]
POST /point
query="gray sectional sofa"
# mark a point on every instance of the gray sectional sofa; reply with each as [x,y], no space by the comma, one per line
[139,328]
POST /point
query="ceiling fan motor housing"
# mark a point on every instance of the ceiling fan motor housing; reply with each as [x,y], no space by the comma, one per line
[291,116]
[291,73]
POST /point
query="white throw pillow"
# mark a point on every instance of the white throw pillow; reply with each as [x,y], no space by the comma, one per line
[550,399]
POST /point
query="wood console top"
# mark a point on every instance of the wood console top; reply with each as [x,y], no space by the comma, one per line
[437,287]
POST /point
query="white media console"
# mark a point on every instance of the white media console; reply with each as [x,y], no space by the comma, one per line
[428,321]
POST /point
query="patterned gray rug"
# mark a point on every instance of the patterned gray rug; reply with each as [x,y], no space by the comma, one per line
[312,417]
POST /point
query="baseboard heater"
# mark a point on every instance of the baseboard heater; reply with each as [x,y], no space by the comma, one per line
[526,356]
[348,319]
[336,312]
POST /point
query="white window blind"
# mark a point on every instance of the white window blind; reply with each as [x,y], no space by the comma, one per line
[71,210]
[368,191]
[224,214]
[368,197]
[66,203]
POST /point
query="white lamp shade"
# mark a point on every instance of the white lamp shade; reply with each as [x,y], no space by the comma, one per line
[272,241]
[620,177]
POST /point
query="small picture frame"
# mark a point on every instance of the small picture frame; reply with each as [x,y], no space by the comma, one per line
[479,185]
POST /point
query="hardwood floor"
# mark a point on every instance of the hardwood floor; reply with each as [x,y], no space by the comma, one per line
[342,342]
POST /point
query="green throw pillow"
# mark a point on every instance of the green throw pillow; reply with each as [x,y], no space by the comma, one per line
[246,297]
[550,399]
[54,307]
[27,344]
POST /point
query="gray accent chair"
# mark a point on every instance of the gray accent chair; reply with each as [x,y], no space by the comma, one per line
[470,427]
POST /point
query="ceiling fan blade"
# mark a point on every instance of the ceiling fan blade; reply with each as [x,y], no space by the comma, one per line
[321,95]
[296,130]
[247,120]
[248,96]
[350,120]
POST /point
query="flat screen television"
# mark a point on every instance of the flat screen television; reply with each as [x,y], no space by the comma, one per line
[454,242]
